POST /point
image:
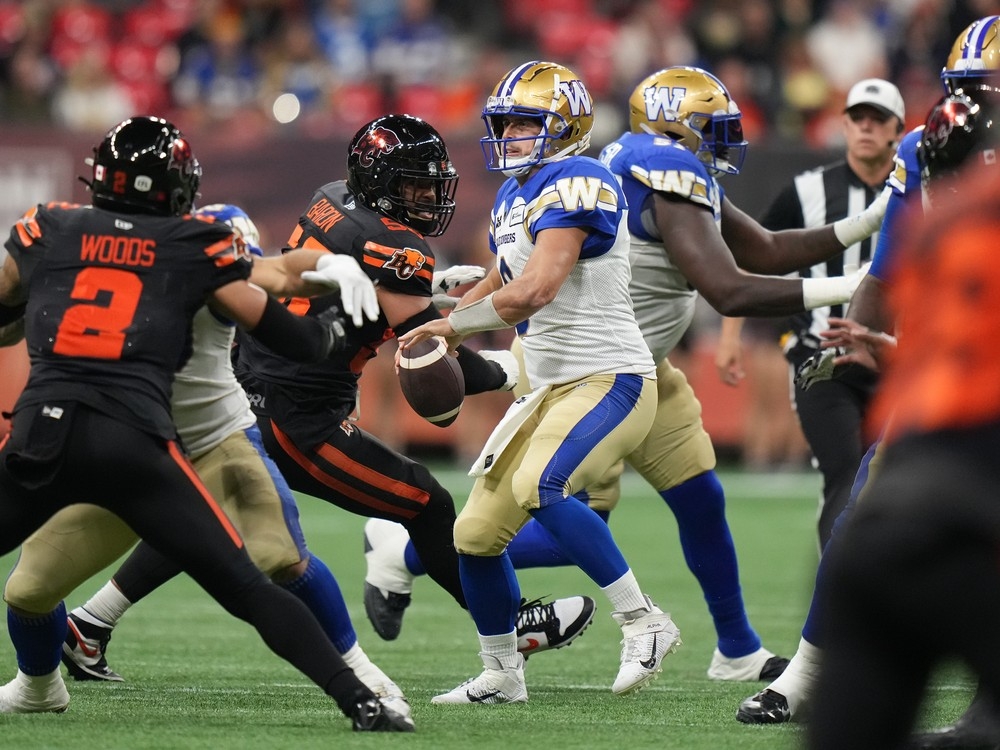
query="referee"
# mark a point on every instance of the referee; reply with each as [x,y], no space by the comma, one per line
[831,412]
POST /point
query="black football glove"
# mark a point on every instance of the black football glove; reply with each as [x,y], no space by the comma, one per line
[333,326]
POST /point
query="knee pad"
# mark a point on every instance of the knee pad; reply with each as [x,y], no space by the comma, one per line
[479,536]
[30,593]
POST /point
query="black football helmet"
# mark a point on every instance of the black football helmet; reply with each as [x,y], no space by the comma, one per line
[958,131]
[391,151]
[145,165]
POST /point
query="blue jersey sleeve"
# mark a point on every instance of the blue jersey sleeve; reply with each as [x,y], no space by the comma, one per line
[906,194]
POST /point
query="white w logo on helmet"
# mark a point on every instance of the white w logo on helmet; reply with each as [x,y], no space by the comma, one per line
[663,101]
[576,95]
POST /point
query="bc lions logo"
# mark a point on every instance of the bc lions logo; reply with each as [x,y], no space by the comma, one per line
[406,262]
[376,142]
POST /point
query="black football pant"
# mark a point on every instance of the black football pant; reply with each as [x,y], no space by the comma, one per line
[358,472]
[914,580]
[82,455]
[831,414]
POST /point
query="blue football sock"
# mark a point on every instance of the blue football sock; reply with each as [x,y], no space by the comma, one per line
[412,560]
[492,592]
[585,539]
[319,590]
[535,547]
[38,641]
[699,505]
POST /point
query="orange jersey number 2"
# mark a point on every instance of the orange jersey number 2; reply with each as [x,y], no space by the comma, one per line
[98,331]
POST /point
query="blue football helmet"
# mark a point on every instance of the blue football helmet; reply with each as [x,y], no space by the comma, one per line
[236,218]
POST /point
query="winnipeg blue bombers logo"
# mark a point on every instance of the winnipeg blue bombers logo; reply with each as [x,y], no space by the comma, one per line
[663,102]
[577,97]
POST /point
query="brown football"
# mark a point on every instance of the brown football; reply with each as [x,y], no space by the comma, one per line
[432,381]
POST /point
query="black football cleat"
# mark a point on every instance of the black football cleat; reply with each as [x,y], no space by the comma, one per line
[372,716]
[84,651]
[541,627]
[765,707]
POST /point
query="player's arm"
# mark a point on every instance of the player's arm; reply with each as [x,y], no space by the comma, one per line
[693,242]
[302,338]
[281,275]
[310,273]
[556,251]
[406,312]
[12,303]
[761,251]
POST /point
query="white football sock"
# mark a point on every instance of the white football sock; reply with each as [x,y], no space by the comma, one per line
[105,607]
[798,680]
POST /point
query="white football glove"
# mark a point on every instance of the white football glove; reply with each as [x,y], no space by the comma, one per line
[855,228]
[445,301]
[507,362]
[357,293]
[453,277]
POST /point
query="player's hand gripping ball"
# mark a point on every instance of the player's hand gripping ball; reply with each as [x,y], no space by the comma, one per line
[432,381]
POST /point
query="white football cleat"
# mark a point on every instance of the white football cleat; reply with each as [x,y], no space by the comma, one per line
[32,695]
[495,685]
[647,637]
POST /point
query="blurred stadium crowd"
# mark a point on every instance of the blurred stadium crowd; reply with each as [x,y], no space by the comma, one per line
[324,65]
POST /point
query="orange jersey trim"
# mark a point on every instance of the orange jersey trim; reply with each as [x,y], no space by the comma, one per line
[181,460]
[380,480]
[221,252]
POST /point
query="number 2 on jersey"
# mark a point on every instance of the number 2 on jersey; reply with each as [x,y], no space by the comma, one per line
[98,330]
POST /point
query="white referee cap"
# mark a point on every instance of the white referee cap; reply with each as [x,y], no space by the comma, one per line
[879,94]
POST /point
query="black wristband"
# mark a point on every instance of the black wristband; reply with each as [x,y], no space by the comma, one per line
[302,339]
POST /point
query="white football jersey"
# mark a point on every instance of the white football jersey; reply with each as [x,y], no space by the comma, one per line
[208,403]
[647,164]
[589,328]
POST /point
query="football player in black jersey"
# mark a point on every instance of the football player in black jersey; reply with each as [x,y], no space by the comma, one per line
[108,293]
[399,189]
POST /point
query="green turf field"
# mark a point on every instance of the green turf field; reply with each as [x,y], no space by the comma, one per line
[197,678]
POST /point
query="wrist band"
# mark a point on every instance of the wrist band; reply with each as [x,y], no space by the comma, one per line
[481,315]
[821,292]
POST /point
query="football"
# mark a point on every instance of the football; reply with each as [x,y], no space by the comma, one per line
[432,381]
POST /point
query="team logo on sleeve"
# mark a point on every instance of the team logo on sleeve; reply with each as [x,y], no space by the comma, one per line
[406,262]
[376,143]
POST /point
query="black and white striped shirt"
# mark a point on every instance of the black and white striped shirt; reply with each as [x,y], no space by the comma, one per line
[817,197]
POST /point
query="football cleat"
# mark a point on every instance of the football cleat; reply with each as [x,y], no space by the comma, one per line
[33,695]
[760,665]
[84,651]
[372,715]
[977,729]
[388,583]
[385,689]
[765,707]
[541,627]
[496,684]
[646,639]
